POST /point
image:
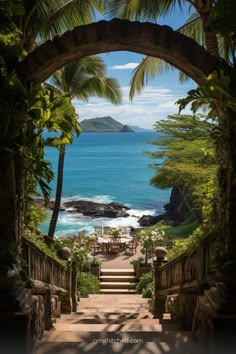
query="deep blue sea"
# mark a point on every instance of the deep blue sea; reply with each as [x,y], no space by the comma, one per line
[107,167]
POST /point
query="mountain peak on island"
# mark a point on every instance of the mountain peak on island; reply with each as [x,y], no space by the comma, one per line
[104,124]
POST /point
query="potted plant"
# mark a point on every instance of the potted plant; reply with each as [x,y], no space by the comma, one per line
[95,267]
[115,232]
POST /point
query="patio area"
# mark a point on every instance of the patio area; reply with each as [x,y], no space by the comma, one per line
[121,261]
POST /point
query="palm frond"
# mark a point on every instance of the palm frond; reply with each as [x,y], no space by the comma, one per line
[104,87]
[87,77]
[139,9]
[193,28]
[9,9]
[146,70]
[47,18]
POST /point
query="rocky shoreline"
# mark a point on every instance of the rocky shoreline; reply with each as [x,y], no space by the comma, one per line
[89,208]
[174,210]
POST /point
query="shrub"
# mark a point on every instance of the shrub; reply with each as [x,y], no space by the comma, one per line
[88,284]
[136,263]
[145,285]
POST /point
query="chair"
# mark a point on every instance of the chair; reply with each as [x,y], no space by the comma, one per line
[96,247]
[131,247]
[115,246]
[107,230]
[123,230]
[98,230]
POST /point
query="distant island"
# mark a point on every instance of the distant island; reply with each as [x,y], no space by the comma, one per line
[108,124]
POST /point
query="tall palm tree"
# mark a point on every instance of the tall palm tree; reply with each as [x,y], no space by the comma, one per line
[197,27]
[81,79]
[43,19]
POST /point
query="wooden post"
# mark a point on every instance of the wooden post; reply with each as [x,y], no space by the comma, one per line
[74,291]
[159,302]
[66,299]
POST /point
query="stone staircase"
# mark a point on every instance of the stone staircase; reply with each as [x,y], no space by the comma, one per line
[117,281]
[115,323]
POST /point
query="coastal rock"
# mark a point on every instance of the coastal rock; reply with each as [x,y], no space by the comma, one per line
[41,203]
[148,220]
[93,209]
[177,208]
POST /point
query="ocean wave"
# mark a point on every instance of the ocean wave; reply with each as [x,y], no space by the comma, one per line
[138,213]
[97,198]
[70,224]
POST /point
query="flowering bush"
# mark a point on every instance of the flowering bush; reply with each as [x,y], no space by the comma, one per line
[150,240]
[79,253]
[115,232]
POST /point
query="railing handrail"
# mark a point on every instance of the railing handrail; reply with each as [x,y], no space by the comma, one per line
[37,249]
[189,253]
[187,271]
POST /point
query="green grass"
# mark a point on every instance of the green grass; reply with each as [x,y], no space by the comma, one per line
[180,231]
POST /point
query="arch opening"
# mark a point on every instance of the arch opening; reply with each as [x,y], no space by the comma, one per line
[119,35]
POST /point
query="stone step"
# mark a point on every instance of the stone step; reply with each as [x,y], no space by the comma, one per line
[105,318]
[129,271]
[125,324]
[93,346]
[118,291]
[134,296]
[115,285]
[89,335]
[104,327]
[118,278]
[112,307]
[112,311]
[127,300]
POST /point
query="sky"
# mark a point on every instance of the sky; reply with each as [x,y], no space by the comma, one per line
[154,103]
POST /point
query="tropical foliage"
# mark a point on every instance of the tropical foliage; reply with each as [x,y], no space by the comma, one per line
[150,240]
[204,25]
[145,285]
[88,284]
[187,158]
[81,79]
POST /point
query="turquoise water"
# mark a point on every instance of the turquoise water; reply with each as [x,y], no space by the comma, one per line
[106,167]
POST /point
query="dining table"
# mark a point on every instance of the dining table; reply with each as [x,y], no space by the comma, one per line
[106,241]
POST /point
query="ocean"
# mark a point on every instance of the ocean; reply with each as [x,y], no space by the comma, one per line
[107,167]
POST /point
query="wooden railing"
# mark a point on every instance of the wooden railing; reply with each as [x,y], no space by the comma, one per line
[43,268]
[188,270]
[178,283]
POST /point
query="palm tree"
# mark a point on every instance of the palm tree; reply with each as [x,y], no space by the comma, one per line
[197,27]
[81,79]
[43,19]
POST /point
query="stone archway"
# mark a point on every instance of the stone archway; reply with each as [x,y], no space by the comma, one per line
[116,35]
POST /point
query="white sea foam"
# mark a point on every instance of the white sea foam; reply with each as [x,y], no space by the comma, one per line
[72,223]
[138,213]
[97,198]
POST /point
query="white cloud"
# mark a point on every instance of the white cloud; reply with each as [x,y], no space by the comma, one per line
[127,66]
[153,104]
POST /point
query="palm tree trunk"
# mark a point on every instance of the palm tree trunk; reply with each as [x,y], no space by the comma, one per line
[204,8]
[210,37]
[57,203]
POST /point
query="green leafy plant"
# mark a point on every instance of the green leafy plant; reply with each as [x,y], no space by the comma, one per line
[88,284]
[150,240]
[115,232]
[50,251]
[136,263]
[145,285]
